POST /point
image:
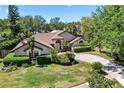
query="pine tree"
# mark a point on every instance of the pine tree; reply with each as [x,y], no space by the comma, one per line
[13,16]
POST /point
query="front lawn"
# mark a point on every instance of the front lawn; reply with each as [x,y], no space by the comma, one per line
[48,76]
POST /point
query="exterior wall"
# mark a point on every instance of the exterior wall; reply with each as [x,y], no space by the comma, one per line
[3,53]
[57,46]
[46,50]
[21,51]
[67,36]
[77,42]
[36,50]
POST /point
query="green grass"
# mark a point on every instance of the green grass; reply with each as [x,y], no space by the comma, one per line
[48,76]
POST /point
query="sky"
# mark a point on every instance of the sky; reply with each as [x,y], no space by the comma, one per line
[67,13]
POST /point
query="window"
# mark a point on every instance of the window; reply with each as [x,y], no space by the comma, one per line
[80,42]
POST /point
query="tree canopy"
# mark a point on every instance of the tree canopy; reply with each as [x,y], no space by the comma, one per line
[107,31]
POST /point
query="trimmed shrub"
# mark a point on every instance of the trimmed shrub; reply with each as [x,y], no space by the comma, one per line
[81,48]
[11,59]
[97,66]
[63,59]
[44,59]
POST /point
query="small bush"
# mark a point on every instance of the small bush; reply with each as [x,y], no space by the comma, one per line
[63,59]
[97,80]
[70,55]
[97,66]
[11,59]
[81,48]
[44,59]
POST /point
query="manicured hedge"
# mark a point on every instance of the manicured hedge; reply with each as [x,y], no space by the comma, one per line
[81,48]
[44,59]
[11,59]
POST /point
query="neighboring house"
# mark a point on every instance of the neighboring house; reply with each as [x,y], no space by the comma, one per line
[2,39]
[43,42]
[3,52]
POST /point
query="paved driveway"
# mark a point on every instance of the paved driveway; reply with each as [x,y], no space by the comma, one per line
[114,70]
[91,58]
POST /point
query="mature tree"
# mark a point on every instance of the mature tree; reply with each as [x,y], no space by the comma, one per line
[56,24]
[46,27]
[107,30]
[13,16]
[71,27]
[86,22]
[39,22]
[4,24]
[27,23]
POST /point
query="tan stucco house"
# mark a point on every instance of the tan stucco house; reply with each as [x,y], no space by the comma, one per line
[43,42]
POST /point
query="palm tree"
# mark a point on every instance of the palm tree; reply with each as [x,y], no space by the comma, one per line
[31,46]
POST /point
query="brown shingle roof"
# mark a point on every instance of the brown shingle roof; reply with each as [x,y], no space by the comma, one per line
[43,38]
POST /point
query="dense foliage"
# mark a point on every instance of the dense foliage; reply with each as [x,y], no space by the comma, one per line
[11,59]
[99,81]
[63,59]
[106,32]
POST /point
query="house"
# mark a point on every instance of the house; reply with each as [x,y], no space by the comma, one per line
[3,52]
[43,42]
[2,39]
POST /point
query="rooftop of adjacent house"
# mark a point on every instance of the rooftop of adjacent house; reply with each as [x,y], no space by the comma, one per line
[2,38]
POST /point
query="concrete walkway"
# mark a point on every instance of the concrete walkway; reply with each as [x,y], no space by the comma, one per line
[113,70]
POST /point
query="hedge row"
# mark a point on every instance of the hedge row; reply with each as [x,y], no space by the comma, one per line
[81,48]
[11,59]
[43,59]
